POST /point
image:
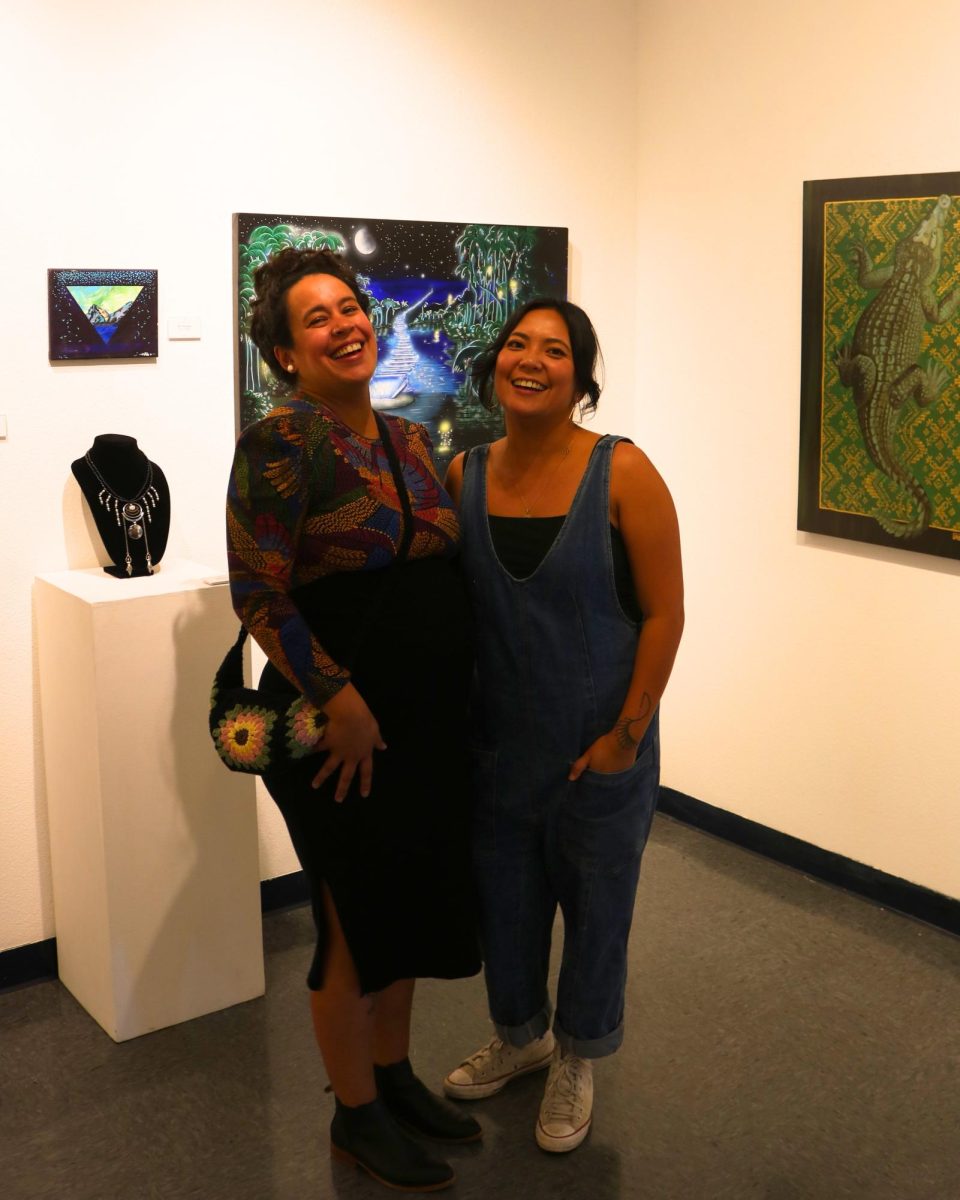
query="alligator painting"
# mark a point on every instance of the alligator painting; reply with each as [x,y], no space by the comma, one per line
[881,364]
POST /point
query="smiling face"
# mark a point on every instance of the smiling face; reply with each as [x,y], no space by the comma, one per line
[333,347]
[534,374]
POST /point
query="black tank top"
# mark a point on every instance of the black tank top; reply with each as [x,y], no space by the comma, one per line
[522,543]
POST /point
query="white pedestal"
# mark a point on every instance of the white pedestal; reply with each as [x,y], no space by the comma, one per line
[153,842]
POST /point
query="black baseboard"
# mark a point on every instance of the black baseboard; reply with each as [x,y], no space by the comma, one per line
[286,891]
[36,962]
[887,890]
[28,964]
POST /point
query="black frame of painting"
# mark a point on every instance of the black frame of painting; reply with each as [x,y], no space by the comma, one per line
[817,375]
[72,338]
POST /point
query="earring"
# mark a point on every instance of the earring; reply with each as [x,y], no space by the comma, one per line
[292,370]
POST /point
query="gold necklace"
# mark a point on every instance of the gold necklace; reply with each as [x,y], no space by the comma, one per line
[528,506]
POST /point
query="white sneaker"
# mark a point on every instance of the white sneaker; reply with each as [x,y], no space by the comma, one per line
[565,1113]
[491,1068]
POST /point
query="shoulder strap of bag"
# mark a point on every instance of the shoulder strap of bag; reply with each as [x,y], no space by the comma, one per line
[230,672]
[407,535]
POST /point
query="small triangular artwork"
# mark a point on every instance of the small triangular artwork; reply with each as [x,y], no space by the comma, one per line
[102,312]
[104,306]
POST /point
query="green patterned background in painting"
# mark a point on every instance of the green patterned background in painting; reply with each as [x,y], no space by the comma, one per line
[928,440]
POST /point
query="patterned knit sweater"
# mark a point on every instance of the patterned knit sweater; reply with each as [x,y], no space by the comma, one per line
[309,497]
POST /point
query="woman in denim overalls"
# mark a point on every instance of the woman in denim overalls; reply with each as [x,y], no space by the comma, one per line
[572,557]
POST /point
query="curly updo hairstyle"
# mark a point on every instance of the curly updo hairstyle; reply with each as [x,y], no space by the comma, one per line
[587,359]
[270,324]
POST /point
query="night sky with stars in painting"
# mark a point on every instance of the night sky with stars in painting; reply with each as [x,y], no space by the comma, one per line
[405,258]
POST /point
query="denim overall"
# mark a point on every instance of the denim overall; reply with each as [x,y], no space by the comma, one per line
[555,656]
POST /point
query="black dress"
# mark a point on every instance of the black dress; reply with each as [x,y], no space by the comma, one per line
[396,863]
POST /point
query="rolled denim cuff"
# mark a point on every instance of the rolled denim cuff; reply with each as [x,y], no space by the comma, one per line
[589,1047]
[529,1031]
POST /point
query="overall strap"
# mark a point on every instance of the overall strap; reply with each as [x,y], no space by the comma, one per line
[471,489]
[592,502]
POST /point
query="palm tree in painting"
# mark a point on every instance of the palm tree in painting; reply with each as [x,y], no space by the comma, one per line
[321,239]
[261,244]
[464,268]
[375,314]
[503,240]
[486,255]
[526,241]
[388,304]
[473,248]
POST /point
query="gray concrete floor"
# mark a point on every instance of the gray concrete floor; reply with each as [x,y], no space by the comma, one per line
[785,1041]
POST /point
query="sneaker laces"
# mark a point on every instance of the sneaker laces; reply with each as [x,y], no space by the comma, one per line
[484,1053]
[563,1097]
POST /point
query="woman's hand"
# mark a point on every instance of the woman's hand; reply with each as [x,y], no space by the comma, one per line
[606,755]
[350,738]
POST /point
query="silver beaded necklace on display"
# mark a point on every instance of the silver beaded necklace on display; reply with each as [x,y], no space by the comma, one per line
[132,515]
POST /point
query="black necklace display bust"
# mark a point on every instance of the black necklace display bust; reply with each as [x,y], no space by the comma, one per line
[129,500]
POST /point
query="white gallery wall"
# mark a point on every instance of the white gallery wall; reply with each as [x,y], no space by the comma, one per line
[818,686]
[129,141]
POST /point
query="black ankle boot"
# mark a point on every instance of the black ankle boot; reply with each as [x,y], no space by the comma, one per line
[416,1107]
[369,1137]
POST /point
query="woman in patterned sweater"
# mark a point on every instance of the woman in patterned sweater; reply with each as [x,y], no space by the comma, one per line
[324,497]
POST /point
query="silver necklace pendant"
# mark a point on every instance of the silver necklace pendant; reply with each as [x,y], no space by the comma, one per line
[132,514]
[135,513]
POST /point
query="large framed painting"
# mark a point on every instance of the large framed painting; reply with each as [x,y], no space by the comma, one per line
[438,293]
[102,314]
[880,403]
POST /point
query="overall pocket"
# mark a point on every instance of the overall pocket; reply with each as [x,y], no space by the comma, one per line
[607,816]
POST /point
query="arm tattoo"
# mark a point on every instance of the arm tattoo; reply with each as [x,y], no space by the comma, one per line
[623,728]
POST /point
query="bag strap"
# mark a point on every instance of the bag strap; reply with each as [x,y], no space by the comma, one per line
[230,671]
[398,481]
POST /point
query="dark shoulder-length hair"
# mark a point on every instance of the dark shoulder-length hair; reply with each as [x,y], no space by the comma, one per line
[270,324]
[587,359]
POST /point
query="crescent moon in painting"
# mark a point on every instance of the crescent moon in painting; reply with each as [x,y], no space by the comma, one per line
[363,240]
